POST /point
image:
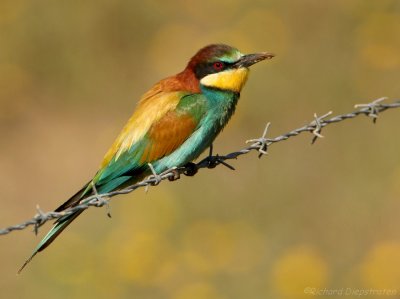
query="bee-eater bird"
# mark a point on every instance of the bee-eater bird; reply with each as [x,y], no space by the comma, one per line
[174,122]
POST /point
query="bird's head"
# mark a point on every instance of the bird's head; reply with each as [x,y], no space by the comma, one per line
[223,67]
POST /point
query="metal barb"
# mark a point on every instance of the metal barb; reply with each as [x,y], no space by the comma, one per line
[318,123]
[100,200]
[372,108]
[41,218]
[260,144]
[156,178]
[221,161]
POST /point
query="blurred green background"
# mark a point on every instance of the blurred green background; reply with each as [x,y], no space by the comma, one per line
[322,216]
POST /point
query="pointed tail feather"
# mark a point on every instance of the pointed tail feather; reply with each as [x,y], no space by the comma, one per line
[76,198]
[57,229]
[61,223]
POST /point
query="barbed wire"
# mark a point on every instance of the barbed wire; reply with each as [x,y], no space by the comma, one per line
[261,145]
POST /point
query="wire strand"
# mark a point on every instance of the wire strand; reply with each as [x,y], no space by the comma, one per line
[261,145]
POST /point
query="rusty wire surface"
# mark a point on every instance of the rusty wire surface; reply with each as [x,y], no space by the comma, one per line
[261,145]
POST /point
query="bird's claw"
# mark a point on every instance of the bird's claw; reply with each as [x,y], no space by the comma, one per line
[213,161]
[174,174]
[190,169]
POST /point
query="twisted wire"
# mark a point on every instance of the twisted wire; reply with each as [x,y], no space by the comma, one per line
[261,145]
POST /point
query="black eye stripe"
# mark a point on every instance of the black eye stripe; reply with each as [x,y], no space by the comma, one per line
[226,64]
[204,69]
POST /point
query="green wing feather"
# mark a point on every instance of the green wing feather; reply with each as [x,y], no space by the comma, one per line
[163,137]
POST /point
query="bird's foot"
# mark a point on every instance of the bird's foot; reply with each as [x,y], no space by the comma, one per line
[211,161]
[190,169]
[214,161]
[173,174]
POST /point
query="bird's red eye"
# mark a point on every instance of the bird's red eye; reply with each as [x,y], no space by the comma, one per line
[218,65]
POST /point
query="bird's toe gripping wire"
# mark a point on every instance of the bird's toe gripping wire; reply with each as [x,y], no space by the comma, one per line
[261,144]
[154,179]
[372,109]
[172,174]
[190,169]
[212,161]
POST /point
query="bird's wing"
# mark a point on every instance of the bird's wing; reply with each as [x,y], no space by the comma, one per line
[158,130]
[152,107]
[160,124]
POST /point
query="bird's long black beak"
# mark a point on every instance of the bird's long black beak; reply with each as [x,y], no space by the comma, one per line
[250,59]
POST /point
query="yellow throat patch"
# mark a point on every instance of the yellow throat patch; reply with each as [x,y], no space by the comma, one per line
[233,79]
